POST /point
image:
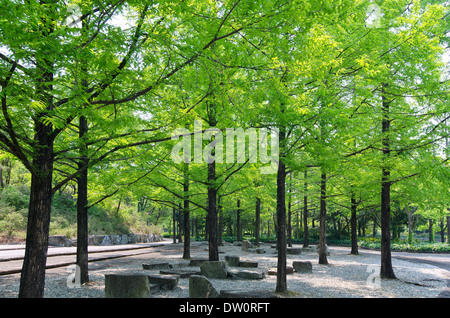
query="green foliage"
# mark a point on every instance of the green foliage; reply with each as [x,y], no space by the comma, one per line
[17,197]
[11,220]
[315,69]
[14,210]
[399,245]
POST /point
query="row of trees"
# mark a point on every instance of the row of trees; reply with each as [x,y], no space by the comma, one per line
[237,218]
[354,90]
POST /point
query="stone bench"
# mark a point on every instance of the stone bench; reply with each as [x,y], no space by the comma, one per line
[127,285]
[153,266]
[183,273]
[165,282]
[248,264]
[293,250]
[201,287]
[214,269]
[245,274]
[302,266]
[232,260]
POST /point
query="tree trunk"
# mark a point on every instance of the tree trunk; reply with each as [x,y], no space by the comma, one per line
[82,206]
[323,210]
[386,270]
[187,230]
[238,221]
[410,224]
[281,285]
[305,213]
[448,229]
[430,231]
[220,213]
[257,220]
[82,182]
[442,231]
[32,280]
[353,225]
[289,225]
[174,220]
[212,213]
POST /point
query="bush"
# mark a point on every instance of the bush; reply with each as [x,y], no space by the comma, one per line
[11,220]
[402,245]
[14,197]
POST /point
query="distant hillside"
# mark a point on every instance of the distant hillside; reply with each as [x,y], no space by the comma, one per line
[14,209]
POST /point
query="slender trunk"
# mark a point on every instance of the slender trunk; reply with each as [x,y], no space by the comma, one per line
[82,182]
[410,225]
[220,213]
[448,229]
[430,230]
[2,184]
[281,285]
[257,220]
[323,210]
[174,235]
[187,230]
[289,226]
[305,213]
[180,224]
[212,213]
[353,225]
[82,206]
[386,270]
[238,221]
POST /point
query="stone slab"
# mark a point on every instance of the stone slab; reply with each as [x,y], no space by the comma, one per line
[183,273]
[166,282]
[153,266]
[127,285]
[302,266]
[214,269]
[232,260]
[201,287]
[245,274]
[248,264]
[293,250]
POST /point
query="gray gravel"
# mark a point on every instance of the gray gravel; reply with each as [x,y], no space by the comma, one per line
[346,276]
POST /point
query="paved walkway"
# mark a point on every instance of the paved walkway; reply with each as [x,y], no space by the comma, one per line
[11,256]
[12,252]
[441,260]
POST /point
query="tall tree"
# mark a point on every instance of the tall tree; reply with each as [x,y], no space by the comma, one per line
[39,62]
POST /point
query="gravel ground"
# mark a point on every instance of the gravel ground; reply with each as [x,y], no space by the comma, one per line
[346,276]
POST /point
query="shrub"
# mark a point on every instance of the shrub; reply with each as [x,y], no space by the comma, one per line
[11,220]
[12,196]
[403,245]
